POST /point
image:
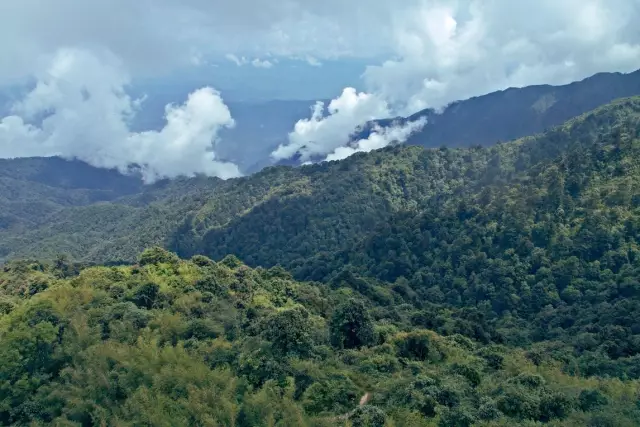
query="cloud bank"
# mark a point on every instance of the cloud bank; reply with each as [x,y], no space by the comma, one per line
[324,137]
[79,109]
[380,137]
[445,51]
[423,53]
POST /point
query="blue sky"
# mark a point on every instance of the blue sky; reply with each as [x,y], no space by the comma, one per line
[250,83]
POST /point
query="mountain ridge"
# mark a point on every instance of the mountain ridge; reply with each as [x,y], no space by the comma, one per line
[392,179]
[520,111]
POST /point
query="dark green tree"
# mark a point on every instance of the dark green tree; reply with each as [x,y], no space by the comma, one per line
[351,325]
[289,331]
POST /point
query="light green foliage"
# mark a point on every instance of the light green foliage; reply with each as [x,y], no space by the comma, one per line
[156,256]
[368,416]
[144,345]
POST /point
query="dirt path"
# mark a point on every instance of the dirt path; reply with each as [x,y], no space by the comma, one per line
[364,399]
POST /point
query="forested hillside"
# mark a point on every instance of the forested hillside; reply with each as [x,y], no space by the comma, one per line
[34,188]
[289,215]
[168,342]
[535,240]
[524,254]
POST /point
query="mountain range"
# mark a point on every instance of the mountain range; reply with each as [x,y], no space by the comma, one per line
[513,113]
[491,284]
[39,192]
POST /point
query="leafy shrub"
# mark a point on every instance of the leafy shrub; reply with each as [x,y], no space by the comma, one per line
[290,331]
[414,345]
[146,295]
[456,418]
[202,261]
[368,416]
[336,394]
[488,410]
[472,375]
[528,380]
[518,403]
[555,406]
[157,255]
[591,399]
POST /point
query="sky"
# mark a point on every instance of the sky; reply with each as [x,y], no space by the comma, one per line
[82,64]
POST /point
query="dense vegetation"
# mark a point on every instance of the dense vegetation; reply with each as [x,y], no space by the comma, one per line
[34,188]
[506,277]
[168,342]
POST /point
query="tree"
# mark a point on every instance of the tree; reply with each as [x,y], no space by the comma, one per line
[289,331]
[146,295]
[157,255]
[351,326]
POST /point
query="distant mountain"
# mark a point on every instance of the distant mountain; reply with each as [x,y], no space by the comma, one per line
[31,189]
[281,215]
[514,112]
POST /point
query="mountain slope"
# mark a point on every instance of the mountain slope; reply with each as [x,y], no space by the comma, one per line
[539,238]
[515,112]
[533,243]
[350,197]
[286,215]
[171,342]
[32,189]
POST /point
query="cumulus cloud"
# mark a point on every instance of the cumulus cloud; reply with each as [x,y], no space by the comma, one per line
[454,50]
[428,52]
[79,109]
[380,137]
[328,137]
[320,135]
[450,50]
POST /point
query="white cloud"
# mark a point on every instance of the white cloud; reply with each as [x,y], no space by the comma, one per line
[453,50]
[320,135]
[436,51]
[379,138]
[149,36]
[313,61]
[258,63]
[79,109]
[450,50]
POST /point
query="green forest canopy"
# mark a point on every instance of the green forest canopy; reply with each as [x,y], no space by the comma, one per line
[171,342]
[494,286]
